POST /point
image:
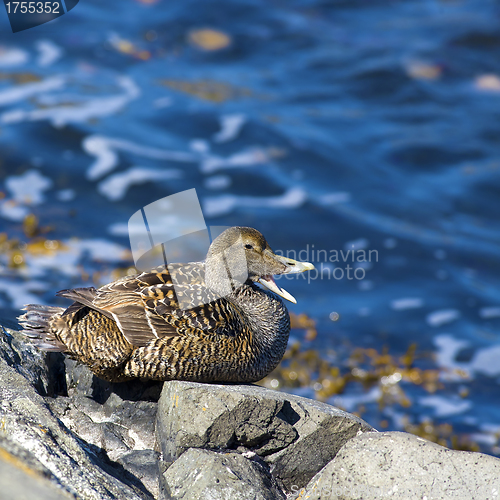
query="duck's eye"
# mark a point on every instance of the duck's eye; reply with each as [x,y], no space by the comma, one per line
[248,246]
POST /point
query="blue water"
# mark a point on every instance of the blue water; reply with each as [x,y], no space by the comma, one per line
[327,125]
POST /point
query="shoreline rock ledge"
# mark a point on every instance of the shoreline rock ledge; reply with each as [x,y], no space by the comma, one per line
[288,438]
[66,434]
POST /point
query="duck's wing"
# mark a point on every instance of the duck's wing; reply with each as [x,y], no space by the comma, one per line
[207,315]
[145,306]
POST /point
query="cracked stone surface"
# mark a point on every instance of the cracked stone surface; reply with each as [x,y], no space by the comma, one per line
[85,449]
[18,467]
[398,465]
[295,436]
[203,474]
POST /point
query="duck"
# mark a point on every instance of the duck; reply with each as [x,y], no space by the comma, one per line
[220,320]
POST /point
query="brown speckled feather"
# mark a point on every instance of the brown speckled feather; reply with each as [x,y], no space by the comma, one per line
[145,306]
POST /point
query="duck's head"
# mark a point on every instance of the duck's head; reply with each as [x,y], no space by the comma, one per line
[240,254]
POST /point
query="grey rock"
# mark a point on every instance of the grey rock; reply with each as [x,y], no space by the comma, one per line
[202,474]
[11,452]
[42,369]
[116,427]
[26,419]
[80,381]
[139,417]
[295,436]
[118,431]
[398,465]
[144,465]
[23,477]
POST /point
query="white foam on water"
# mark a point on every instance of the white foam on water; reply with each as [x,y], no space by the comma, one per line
[448,348]
[488,427]
[62,262]
[199,146]
[32,277]
[20,293]
[470,420]
[60,97]
[17,93]
[28,188]
[48,52]
[221,205]
[66,194]
[243,159]
[442,317]
[118,229]
[163,102]
[489,312]
[116,186]
[230,127]
[11,210]
[407,303]
[484,438]
[218,182]
[11,57]
[334,198]
[101,250]
[106,157]
[65,260]
[105,150]
[92,108]
[359,244]
[444,406]
[485,361]
[351,402]
[399,418]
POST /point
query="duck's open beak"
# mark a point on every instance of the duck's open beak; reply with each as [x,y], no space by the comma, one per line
[292,267]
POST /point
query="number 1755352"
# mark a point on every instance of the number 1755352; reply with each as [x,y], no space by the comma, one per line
[33,7]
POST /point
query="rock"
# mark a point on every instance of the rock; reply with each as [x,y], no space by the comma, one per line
[401,466]
[295,436]
[66,434]
[81,381]
[144,465]
[44,370]
[23,477]
[201,474]
[117,426]
[118,431]
[26,420]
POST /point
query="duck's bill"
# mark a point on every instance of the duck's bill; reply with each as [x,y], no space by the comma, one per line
[294,266]
[268,282]
[291,267]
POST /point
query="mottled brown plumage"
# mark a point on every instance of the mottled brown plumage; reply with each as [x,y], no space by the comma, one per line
[230,331]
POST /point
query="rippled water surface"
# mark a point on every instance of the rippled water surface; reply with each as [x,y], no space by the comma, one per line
[370,128]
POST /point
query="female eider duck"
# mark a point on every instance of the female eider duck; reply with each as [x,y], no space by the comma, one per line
[235,331]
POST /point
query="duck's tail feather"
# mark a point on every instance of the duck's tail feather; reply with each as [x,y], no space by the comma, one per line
[36,324]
